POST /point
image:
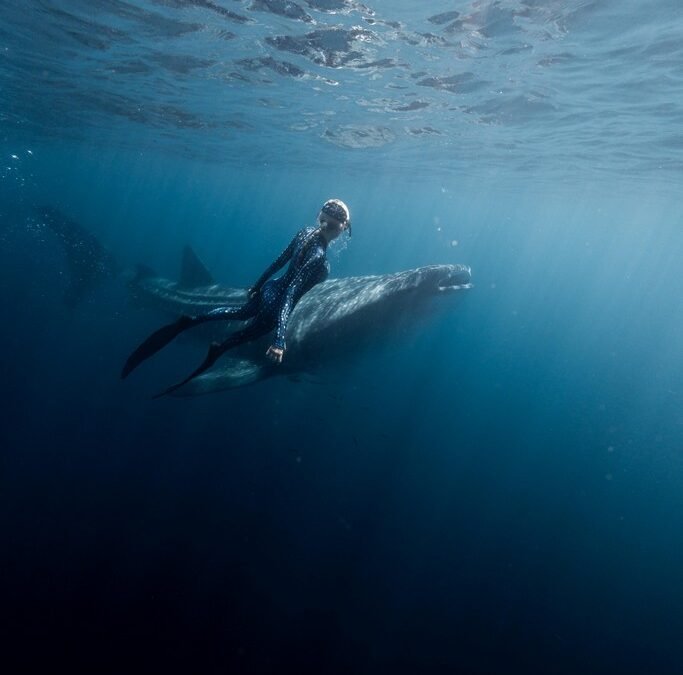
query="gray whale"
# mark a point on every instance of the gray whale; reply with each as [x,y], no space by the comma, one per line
[335,319]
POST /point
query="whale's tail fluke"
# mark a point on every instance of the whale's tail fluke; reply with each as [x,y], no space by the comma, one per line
[88,261]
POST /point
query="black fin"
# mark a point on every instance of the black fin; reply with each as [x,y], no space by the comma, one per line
[215,351]
[193,272]
[88,261]
[155,342]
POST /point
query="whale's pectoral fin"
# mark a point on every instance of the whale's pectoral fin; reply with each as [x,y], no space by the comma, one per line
[155,342]
[230,374]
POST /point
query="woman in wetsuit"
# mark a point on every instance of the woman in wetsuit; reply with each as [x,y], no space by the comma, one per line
[270,303]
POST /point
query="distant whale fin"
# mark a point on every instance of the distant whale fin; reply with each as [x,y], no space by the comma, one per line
[88,261]
[193,272]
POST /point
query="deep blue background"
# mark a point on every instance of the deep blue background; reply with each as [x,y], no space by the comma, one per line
[499,491]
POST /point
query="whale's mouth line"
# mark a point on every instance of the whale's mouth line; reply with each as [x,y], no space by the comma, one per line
[454,281]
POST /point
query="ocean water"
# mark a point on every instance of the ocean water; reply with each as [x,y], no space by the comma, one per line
[495,488]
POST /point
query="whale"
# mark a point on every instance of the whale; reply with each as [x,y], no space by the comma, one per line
[89,263]
[335,321]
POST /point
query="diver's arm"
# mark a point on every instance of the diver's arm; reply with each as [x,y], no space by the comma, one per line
[278,264]
[310,267]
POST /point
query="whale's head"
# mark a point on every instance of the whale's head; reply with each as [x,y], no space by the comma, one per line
[352,303]
[445,278]
[431,280]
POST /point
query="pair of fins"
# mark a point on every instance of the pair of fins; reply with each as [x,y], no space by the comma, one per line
[162,337]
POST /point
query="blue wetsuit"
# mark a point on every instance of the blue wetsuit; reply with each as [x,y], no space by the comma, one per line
[269,306]
[273,301]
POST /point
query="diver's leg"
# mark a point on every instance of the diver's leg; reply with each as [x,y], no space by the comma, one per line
[251,332]
[232,313]
[160,338]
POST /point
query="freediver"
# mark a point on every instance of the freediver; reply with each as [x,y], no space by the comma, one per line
[270,301]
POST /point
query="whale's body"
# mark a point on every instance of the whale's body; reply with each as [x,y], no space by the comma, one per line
[335,319]
[332,322]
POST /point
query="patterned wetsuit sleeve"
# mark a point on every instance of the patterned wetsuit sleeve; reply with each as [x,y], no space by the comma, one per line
[306,276]
[278,264]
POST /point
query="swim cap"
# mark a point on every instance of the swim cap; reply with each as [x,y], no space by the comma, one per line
[335,208]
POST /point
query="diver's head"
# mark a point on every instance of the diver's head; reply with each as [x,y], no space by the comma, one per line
[334,218]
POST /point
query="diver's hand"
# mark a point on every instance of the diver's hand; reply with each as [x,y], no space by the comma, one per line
[275,354]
